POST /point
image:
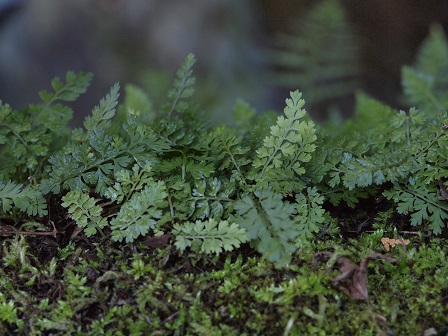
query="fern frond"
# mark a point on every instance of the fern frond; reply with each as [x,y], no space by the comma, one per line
[228,150]
[321,56]
[211,198]
[310,214]
[126,184]
[269,223]
[140,213]
[182,88]
[105,111]
[422,203]
[90,161]
[425,84]
[26,199]
[75,85]
[85,211]
[289,145]
[209,236]
[31,133]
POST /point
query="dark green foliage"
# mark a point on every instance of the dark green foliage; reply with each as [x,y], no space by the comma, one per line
[148,173]
[406,149]
[170,172]
[25,199]
[34,133]
[167,178]
[425,84]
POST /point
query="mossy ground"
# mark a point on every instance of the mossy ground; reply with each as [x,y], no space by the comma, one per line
[90,287]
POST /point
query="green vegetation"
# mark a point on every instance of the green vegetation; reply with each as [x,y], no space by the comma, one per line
[300,62]
[151,221]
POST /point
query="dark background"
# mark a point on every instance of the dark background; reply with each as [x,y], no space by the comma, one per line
[145,41]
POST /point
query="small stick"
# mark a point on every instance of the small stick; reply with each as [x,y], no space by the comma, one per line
[45,233]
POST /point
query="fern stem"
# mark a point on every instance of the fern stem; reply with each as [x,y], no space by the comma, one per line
[170,202]
[212,199]
[408,131]
[329,145]
[20,138]
[437,205]
[178,95]
[227,148]
[431,143]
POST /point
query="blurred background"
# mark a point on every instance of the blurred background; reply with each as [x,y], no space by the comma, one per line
[257,50]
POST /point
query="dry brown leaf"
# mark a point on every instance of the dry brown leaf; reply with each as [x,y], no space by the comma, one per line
[390,242]
[76,232]
[157,241]
[353,278]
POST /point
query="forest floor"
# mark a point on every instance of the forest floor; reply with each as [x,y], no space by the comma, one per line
[368,274]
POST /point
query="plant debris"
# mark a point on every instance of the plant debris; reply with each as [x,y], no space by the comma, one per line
[353,278]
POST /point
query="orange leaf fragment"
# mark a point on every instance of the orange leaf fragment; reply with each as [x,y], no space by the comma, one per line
[390,242]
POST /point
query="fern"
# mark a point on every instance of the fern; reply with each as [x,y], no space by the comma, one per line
[269,223]
[93,156]
[209,236]
[141,213]
[422,203]
[310,214]
[182,88]
[320,56]
[31,135]
[406,149]
[75,85]
[85,211]
[129,182]
[103,113]
[25,199]
[289,145]
[425,84]
[228,150]
[264,181]
[211,198]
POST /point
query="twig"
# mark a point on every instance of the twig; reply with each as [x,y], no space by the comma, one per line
[45,233]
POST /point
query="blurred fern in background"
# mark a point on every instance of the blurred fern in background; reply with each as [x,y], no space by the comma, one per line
[321,55]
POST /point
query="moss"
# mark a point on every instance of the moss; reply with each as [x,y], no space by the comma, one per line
[110,290]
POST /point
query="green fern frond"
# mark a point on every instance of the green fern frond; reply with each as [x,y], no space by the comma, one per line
[30,134]
[182,88]
[310,214]
[422,203]
[289,145]
[321,56]
[269,223]
[209,236]
[105,111]
[26,199]
[141,213]
[425,84]
[211,198]
[129,182]
[85,211]
[75,85]
[228,149]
